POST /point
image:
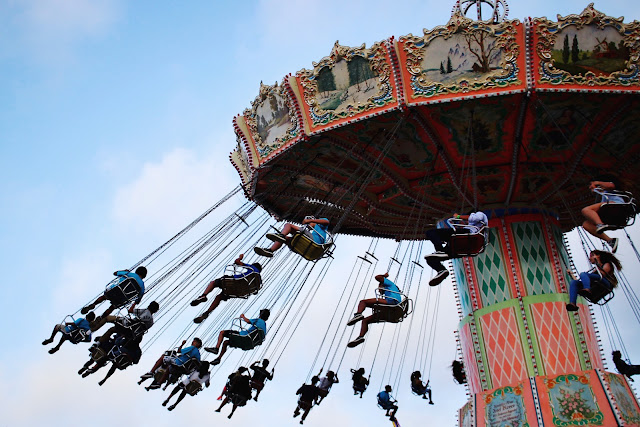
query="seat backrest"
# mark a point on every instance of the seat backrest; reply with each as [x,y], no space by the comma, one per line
[599,294]
[242,287]
[617,215]
[303,245]
[467,244]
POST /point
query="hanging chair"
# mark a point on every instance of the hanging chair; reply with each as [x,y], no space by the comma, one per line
[618,215]
[304,245]
[247,341]
[193,388]
[240,287]
[77,335]
[391,313]
[467,240]
[599,293]
[122,293]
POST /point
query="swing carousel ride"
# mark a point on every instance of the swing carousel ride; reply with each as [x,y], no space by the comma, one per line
[506,117]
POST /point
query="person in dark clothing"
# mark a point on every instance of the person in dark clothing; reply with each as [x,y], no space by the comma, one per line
[238,390]
[308,395]
[623,367]
[260,375]
[457,369]
[360,383]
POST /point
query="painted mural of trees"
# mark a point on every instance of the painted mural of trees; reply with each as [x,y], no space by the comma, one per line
[481,46]
[449,66]
[575,50]
[326,81]
[359,71]
[565,49]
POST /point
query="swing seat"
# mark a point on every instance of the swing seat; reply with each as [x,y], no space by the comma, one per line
[619,215]
[241,287]
[418,391]
[391,313]
[79,335]
[311,251]
[123,293]
[599,294]
[467,240]
[97,353]
[359,387]
[246,342]
[193,388]
[119,358]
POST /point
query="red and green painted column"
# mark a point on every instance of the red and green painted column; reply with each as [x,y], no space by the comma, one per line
[528,361]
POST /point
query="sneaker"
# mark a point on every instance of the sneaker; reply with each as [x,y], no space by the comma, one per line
[47,342]
[438,278]
[81,371]
[356,342]
[430,403]
[201,318]
[263,252]
[198,300]
[172,407]
[215,362]
[152,387]
[213,350]
[613,243]
[572,307]
[53,350]
[437,255]
[601,228]
[87,308]
[355,319]
[276,237]
[146,376]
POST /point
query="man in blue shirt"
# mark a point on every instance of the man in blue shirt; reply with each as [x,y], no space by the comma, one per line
[82,325]
[120,292]
[250,269]
[315,228]
[247,337]
[388,403]
[391,296]
[184,355]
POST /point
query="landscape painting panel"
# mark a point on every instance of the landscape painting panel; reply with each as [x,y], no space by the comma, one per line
[272,118]
[579,51]
[462,56]
[346,83]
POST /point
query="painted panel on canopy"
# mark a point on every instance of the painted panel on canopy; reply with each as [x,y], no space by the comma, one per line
[411,152]
[271,120]
[350,83]
[507,406]
[574,399]
[492,184]
[560,125]
[462,59]
[466,414]
[619,147]
[483,128]
[587,51]
[624,396]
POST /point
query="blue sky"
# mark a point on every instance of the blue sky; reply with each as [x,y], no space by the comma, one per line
[115,130]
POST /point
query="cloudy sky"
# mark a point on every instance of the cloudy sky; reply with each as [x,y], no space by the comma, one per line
[115,130]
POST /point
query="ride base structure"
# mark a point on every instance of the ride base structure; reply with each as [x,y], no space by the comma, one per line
[506,117]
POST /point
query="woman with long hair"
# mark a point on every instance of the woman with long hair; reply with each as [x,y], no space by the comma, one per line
[605,264]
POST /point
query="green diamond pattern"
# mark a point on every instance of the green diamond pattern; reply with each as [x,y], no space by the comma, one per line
[490,270]
[534,260]
[463,286]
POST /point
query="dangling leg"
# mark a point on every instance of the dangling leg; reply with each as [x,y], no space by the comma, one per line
[57,347]
[173,392]
[112,369]
[56,329]
[182,395]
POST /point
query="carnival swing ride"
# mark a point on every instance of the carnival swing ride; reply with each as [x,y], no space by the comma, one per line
[510,118]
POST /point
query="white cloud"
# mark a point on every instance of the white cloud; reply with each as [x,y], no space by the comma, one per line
[169,194]
[53,28]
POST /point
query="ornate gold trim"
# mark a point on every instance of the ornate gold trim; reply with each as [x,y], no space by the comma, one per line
[505,35]
[547,31]
[376,55]
[250,116]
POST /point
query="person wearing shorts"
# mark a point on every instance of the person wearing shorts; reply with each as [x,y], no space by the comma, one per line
[314,228]
[391,296]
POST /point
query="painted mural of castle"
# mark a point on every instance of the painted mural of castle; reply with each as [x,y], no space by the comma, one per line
[579,51]
[461,56]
